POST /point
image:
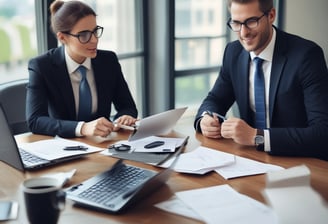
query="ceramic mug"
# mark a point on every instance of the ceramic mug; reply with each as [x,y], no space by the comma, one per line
[44,199]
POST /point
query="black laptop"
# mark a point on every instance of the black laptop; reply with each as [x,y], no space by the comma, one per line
[17,157]
[119,187]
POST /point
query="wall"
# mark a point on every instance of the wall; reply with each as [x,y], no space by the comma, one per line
[308,18]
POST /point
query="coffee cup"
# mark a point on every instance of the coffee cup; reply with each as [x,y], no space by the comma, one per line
[44,199]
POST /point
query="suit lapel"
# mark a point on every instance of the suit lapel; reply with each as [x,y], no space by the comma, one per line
[62,80]
[244,83]
[279,60]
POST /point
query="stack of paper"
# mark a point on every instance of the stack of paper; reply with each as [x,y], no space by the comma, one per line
[291,196]
[203,160]
[138,151]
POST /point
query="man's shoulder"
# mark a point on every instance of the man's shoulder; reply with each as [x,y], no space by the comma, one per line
[235,45]
[234,49]
[292,40]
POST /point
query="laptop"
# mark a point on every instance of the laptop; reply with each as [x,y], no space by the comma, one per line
[118,188]
[157,124]
[18,158]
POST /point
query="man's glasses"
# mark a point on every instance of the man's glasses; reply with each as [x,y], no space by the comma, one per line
[85,36]
[250,23]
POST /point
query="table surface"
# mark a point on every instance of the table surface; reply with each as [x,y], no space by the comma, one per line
[144,211]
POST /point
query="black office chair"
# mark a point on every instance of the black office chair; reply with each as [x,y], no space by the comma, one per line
[13,99]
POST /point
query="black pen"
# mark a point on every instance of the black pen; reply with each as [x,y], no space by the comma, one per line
[75,148]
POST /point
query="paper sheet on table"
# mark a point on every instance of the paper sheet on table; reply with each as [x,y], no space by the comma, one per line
[170,144]
[245,167]
[62,177]
[231,206]
[201,160]
[176,206]
[290,194]
[54,148]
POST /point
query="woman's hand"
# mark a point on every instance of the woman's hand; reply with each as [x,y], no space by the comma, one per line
[99,127]
[124,120]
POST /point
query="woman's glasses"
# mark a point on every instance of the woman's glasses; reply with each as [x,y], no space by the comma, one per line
[85,36]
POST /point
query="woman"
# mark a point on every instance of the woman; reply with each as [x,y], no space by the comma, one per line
[53,104]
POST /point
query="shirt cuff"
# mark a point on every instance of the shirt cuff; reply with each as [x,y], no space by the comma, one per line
[78,129]
[267,147]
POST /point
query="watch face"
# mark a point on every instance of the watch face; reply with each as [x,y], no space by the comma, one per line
[259,140]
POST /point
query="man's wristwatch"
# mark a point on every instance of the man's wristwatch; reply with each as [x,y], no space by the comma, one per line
[259,139]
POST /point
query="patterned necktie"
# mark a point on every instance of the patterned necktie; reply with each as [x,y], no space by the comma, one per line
[85,101]
[259,95]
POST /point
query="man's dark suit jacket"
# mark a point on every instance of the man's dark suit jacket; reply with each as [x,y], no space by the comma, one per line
[50,105]
[298,99]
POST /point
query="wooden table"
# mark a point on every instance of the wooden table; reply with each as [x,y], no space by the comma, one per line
[144,211]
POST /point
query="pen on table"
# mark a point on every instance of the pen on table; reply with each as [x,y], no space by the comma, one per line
[76,148]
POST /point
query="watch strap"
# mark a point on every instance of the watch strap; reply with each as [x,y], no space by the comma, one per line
[260,132]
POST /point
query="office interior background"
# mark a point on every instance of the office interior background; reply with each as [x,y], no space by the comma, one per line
[170,51]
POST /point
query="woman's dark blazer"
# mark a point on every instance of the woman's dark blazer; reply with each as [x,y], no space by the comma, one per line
[50,104]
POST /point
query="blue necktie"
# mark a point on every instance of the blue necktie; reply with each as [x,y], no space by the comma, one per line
[259,95]
[85,101]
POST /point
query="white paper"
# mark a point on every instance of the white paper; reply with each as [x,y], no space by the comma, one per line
[201,161]
[291,196]
[170,144]
[51,149]
[62,177]
[245,167]
[294,176]
[176,206]
[222,204]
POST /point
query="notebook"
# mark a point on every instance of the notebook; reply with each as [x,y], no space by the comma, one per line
[157,124]
[17,157]
[118,188]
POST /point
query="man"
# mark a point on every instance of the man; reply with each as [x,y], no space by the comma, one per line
[294,110]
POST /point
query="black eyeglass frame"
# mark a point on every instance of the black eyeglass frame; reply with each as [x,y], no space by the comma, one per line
[84,32]
[120,147]
[252,19]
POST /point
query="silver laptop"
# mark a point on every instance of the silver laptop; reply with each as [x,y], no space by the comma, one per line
[17,157]
[119,187]
[157,124]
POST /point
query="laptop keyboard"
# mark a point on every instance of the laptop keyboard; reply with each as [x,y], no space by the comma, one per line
[30,159]
[119,182]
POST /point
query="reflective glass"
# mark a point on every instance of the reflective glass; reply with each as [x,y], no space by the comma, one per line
[191,90]
[200,33]
[122,24]
[17,38]
[201,52]
[133,68]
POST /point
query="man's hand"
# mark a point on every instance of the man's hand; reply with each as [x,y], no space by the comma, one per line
[238,130]
[210,126]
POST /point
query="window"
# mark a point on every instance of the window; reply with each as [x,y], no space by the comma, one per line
[200,38]
[17,38]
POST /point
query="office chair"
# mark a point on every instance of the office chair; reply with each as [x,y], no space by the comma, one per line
[12,99]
